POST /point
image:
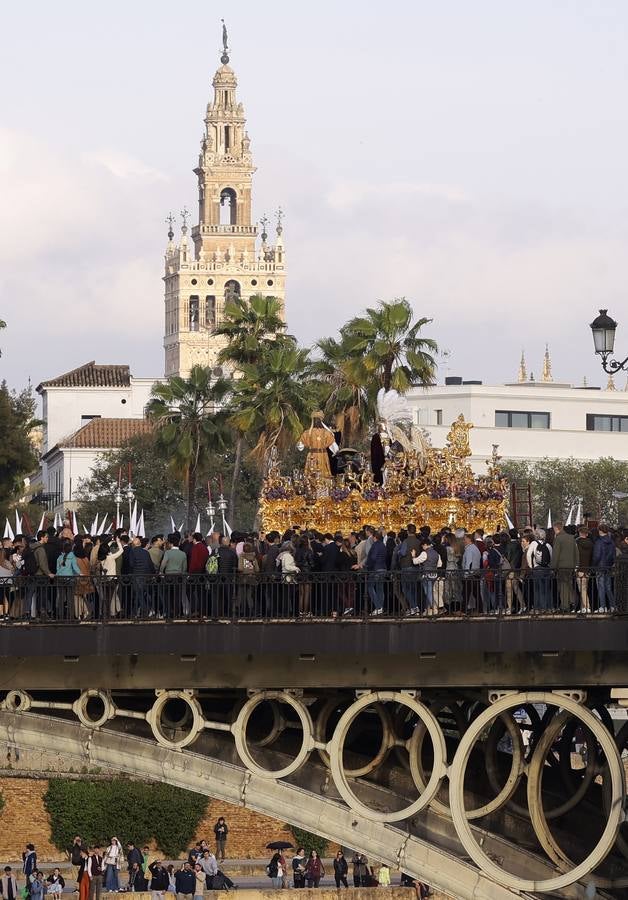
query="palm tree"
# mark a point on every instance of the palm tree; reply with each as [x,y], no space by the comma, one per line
[394,354]
[344,381]
[190,423]
[250,326]
[274,398]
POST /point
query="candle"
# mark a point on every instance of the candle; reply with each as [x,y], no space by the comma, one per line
[209,492]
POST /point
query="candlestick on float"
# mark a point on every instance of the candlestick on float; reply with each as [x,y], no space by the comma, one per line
[222,508]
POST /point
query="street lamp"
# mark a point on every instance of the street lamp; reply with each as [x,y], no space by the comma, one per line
[222,508]
[130,496]
[603,329]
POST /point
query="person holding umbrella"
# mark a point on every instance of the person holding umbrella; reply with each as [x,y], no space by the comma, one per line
[276,868]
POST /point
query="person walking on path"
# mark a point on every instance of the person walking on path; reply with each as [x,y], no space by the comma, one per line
[275,871]
[221,831]
[341,869]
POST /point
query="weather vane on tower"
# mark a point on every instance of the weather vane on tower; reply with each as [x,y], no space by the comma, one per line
[170,223]
[224,59]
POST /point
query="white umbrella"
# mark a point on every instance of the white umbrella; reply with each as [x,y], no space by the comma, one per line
[549,518]
[18,524]
[141,530]
[198,523]
[8,531]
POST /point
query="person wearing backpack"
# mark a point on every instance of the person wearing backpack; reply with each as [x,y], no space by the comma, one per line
[36,567]
[540,560]
[248,567]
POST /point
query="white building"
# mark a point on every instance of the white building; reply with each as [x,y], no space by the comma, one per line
[528,420]
[86,411]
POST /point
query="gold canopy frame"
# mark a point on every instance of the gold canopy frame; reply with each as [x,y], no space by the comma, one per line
[422,484]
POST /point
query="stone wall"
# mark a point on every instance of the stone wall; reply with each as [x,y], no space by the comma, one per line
[24,819]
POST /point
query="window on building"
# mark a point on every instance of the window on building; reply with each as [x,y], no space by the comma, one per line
[193,313]
[227,138]
[228,207]
[232,290]
[607,423]
[438,416]
[210,310]
[422,416]
[519,419]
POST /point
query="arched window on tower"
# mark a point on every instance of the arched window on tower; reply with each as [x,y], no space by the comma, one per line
[228,207]
[232,290]
[193,313]
[210,311]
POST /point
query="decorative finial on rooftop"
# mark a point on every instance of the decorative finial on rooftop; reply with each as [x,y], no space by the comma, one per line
[279,221]
[224,59]
[184,216]
[170,223]
[547,366]
[523,375]
[264,222]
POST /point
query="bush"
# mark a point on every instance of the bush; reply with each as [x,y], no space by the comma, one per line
[130,810]
[309,841]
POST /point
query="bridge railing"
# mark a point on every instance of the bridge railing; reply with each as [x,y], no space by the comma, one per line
[242,596]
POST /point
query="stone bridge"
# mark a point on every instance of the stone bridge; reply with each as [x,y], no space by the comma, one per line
[483,756]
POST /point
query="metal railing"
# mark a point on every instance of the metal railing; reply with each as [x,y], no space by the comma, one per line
[253,597]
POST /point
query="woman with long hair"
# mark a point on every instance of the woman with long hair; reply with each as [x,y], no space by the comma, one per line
[304,558]
[67,570]
[347,564]
[83,586]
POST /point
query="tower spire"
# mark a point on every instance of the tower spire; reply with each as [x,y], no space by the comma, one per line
[547,366]
[523,375]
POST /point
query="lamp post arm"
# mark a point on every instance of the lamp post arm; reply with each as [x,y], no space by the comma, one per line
[611,366]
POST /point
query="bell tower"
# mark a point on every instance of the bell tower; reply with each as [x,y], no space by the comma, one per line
[226,256]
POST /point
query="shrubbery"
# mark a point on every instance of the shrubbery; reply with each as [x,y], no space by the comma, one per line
[129,810]
[309,841]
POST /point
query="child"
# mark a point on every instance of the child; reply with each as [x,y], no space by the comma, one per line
[384,875]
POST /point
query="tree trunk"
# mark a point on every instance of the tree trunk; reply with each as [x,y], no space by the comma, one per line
[191,494]
[235,478]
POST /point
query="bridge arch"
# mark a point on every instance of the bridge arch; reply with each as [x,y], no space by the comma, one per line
[131,755]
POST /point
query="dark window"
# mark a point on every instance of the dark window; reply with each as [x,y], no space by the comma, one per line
[439,416]
[227,138]
[210,310]
[519,419]
[193,313]
[232,289]
[607,423]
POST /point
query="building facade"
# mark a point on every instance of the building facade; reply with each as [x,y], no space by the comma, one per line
[222,257]
[528,420]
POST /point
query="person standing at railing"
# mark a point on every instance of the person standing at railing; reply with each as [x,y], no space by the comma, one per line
[36,564]
[604,557]
[471,564]
[585,555]
[197,560]
[108,556]
[409,574]
[376,568]
[67,568]
[565,559]
[539,556]
[141,568]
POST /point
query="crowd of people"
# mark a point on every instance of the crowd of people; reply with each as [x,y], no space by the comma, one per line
[57,574]
[117,868]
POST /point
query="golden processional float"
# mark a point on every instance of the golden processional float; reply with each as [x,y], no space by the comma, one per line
[408,480]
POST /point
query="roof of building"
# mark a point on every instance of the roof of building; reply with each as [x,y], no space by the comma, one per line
[91,375]
[107,433]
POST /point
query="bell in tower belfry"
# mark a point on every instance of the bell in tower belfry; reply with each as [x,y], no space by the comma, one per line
[226,262]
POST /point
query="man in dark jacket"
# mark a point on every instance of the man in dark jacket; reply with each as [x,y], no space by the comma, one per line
[565,559]
[376,567]
[185,882]
[133,855]
[159,878]
[604,556]
[141,566]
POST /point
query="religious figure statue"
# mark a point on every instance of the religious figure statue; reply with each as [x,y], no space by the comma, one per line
[392,410]
[317,440]
[458,437]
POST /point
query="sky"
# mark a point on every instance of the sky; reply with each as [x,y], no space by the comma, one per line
[470,156]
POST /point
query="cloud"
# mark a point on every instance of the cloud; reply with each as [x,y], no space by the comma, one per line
[121,165]
[347,195]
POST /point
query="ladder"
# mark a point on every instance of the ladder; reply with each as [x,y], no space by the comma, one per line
[521,505]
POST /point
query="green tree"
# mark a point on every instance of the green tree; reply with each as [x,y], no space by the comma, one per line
[395,355]
[251,327]
[344,379]
[17,454]
[274,398]
[191,424]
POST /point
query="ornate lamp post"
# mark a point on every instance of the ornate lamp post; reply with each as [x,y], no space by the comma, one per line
[603,329]
[222,508]
[118,498]
[130,496]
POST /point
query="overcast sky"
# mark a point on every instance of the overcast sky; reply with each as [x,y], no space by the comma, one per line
[472,156]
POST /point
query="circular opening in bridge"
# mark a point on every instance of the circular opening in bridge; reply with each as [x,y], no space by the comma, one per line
[586,819]
[176,719]
[95,708]
[273,734]
[17,701]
